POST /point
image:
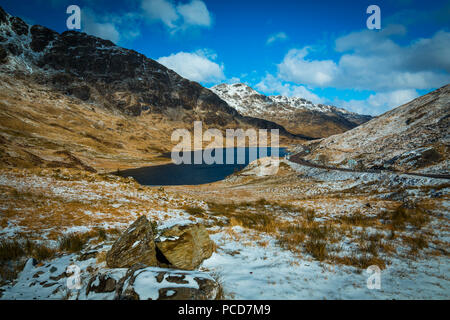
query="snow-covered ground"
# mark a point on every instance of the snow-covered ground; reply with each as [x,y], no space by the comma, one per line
[256,272]
[249,264]
[248,270]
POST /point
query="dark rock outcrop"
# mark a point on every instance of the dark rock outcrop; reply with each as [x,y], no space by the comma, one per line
[19,26]
[3,55]
[41,37]
[135,245]
[81,92]
[3,16]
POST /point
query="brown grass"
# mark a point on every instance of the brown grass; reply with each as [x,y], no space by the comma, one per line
[404,216]
[73,242]
[195,211]
[358,219]
[416,243]
[362,261]
[11,250]
[317,249]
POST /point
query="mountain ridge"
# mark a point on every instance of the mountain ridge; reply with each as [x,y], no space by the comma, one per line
[297,114]
[93,69]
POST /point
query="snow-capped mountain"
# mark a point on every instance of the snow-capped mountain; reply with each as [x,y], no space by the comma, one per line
[298,115]
[98,71]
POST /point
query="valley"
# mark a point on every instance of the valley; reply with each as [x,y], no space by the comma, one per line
[353,192]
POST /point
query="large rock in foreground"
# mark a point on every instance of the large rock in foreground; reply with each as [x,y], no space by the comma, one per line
[185,247]
[135,245]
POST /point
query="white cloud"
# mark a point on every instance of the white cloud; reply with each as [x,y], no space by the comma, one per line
[195,13]
[296,68]
[379,102]
[374,61]
[197,66]
[388,100]
[233,80]
[160,10]
[271,85]
[108,26]
[177,16]
[280,36]
[101,29]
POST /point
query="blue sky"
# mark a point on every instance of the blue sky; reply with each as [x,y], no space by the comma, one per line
[319,50]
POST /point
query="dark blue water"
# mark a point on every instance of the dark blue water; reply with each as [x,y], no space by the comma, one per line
[194,174]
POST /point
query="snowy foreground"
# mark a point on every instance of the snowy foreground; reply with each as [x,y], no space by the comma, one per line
[248,263]
[254,272]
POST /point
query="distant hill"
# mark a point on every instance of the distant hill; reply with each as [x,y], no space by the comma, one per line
[72,99]
[297,115]
[413,137]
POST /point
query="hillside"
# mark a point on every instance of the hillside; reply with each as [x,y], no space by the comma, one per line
[74,109]
[297,115]
[75,100]
[413,137]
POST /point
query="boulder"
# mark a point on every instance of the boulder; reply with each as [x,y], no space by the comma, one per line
[168,284]
[135,245]
[105,284]
[185,247]
[150,283]
[102,283]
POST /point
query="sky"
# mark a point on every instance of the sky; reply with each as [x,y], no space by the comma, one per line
[319,50]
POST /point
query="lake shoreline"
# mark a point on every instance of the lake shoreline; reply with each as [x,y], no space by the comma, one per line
[171,174]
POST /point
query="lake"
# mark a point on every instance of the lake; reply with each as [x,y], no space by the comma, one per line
[194,174]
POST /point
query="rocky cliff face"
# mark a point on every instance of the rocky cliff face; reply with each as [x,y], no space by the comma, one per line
[96,70]
[297,115]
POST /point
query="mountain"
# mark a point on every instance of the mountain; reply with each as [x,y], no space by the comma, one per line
[94,69]
[103,104]
[297,115]
[413,137]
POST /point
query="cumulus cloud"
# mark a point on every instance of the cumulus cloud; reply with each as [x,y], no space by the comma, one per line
[104,30]
[233,80]
[374,61]
[391,99]
[368,61]
[177,16]
[271,85]
[195,13]
[108,26]
[280,36]
[160,10]
[197,66]
[297,69]
[379,102]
